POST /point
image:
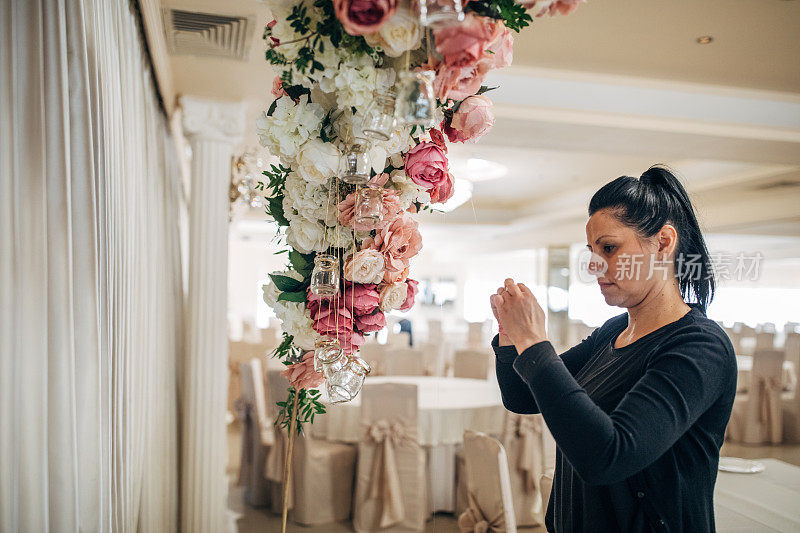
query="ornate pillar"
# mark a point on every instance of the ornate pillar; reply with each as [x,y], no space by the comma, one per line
[213,130]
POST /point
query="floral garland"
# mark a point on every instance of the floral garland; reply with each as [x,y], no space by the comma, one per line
[335,55]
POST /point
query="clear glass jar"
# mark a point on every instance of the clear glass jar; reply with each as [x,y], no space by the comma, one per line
[440,13]
[355,164]
[379,122]
[325,276]
[416,99]
[327,351]
[345,384]
[369,206]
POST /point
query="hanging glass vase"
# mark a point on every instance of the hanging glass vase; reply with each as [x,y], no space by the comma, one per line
[379,121]
[325,276]
[416,99]
[369,207]
[355,164]
[440,13]
[327,351]
[345,384]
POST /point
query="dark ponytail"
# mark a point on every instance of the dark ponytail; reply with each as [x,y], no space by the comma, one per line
[647,204]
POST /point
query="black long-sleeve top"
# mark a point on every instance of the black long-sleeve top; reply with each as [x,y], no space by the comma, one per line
[638,429]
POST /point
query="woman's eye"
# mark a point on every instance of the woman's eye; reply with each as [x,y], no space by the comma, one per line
[608,248]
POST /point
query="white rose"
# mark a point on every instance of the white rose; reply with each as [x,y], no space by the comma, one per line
[340,237]
[365,266]
[377,158]
[306,235]
[318,161]
[408,191]
[400,33]
[297,322]
[393,296]
[400,141]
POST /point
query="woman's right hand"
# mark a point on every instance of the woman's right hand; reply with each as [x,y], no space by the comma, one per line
[503,339]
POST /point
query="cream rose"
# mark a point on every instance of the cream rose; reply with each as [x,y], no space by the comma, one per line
[305,235]
[318,161]
[393,296]
[365,266]
[402,32]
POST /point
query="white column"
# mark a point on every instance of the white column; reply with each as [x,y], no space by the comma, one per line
[213,129]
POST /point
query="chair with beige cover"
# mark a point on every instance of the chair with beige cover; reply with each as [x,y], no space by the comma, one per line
[404,362]
[546,486]
[375,356]
[490,506]
[765,340]
[391,478]
[472,364]
[791,399]
[757,416]
[257,435]
[321,487]
[476,337]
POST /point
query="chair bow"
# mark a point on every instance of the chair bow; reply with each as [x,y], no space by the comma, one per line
[385,478]
[474,521]
[768,390]
[528,429]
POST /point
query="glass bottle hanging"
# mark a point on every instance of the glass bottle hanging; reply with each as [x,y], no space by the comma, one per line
[369,207]
[379,121]
[416,99]
[345,384]
[325,276]
[327,351]
[355,164]
[440,13]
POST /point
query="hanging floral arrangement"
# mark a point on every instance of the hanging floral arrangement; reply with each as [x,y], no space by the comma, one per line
[370,93]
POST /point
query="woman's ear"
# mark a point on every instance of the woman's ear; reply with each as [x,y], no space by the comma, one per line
[667,240]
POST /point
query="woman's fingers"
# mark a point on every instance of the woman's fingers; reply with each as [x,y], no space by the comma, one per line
[512,288]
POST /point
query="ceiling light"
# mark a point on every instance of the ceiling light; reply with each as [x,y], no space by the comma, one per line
[705,39]
[475,169]
[461,194]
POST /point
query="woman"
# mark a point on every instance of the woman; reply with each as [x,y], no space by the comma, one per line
[638,409]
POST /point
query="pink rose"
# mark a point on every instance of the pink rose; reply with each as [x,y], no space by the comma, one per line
[360,299]
[372,322]
[360,17]
[462,45]
[393,295]
[302,375]
[277,87]
[347,211]
[501,51]
[426,165]
[551,7]
[472,120]
[443,191]
[275,41]
[333,320]
[399,242]
[455,83]
[410,295]
[395,277]
[438,139]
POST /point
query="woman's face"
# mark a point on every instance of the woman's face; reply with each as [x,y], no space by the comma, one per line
[632,267]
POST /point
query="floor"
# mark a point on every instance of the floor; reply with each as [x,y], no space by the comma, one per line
[250,520]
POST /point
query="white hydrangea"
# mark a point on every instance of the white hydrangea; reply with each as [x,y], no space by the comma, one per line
[305,199]
[290,126]
[355,81]
[306,235]
[408,191]
[340,237]
[297,322]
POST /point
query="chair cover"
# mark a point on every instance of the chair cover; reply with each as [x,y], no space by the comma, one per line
[791,400]
[765,340]
[546,484]
[391,480]
[321,488]
[375,355]
[757,416]
[472,364]
[490,508]
[523,439]
[405,362]
[257,435]
[475,335]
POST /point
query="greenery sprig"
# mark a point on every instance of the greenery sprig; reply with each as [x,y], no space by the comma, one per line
[308,405]
[509,11]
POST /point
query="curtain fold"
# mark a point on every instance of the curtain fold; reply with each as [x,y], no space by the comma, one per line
[91,299]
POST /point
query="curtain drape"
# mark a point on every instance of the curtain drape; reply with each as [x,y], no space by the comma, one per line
[90,274]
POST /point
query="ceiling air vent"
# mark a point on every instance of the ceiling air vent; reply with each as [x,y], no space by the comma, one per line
[207,34]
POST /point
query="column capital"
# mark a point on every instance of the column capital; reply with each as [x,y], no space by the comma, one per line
[213,119]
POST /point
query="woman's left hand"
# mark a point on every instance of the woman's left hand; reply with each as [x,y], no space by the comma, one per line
[520,314]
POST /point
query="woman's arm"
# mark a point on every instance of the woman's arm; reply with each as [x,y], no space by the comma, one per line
[515,392]
[679,385]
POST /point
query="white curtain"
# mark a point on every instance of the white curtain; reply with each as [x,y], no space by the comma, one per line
[90,274]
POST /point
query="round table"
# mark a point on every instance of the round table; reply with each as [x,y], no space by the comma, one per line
[446,407]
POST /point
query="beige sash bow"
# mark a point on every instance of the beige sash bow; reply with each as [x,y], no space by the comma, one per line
[473,520]
[769,389]
[385,478]
[528,430]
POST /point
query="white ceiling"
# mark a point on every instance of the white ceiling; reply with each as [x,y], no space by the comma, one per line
[609,90]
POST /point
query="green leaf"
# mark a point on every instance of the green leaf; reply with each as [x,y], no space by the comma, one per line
[285,283]
[272,107]
[298,297]
[302,263]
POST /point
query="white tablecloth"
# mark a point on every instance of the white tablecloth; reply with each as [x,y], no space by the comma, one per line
[446,407]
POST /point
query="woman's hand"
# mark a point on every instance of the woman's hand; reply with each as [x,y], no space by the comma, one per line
[519,314]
